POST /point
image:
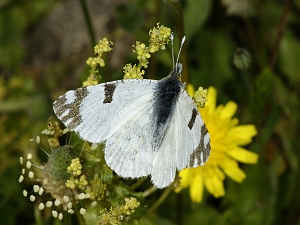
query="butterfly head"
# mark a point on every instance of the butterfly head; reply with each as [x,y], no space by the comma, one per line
[176,72]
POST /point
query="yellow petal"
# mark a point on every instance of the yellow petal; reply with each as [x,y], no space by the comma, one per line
[242,134]
[236,174]
[231,168]
[229,110]
[243,155]
[214,186]
[190,89]
[196,188]
[186,177]
[211,101]
[219,173]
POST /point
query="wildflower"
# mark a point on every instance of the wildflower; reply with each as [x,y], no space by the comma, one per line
[63,176]
[200,97]
[50,178]
[53,132]
[159,37]
[100,48]
[227,137]
[116,215]
[133,72]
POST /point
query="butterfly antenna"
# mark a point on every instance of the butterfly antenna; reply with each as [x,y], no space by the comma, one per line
[172,40]
[182,42]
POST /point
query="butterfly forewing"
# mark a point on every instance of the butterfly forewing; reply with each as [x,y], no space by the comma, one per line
[96,112]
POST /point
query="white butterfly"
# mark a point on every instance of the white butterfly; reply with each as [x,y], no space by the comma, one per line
[150,127]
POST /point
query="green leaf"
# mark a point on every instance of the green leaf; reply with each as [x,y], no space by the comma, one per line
[289,56]
[92,214]
[106,174]
[195,15]
[119,192]
[148,219]
[262,93]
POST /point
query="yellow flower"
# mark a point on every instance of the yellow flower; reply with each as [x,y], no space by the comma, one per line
[227,137]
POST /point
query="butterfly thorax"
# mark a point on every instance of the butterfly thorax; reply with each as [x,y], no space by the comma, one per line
[166,96]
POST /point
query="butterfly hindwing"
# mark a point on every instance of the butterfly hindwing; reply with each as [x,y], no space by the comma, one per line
[129,151]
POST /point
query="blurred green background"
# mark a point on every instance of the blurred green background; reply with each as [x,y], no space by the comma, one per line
[43,49]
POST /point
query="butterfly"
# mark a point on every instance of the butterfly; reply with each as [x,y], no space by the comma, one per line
[150,127]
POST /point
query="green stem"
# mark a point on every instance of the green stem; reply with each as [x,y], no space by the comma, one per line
[138,183]
[79,216]
[88,21]
[149,191]
[280,30]
[252,36]
[180,30]
[161,199]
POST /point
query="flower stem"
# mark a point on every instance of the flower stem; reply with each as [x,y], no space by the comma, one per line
[180,30]
[88,21]
[138,183]
[161,199]
[149,191]
[79,216]
[280,30]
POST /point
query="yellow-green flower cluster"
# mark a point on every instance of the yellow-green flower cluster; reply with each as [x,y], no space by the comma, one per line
[75,167]
[91,80]
[96,189]
[133,72]
[159,37]
[200,97]
[80,182]
[117,215]
[75,181]
[143,54]
[102,47]
[53,132]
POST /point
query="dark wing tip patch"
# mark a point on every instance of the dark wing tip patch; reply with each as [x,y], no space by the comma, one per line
[109,90]
[202,152]
[72,109]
